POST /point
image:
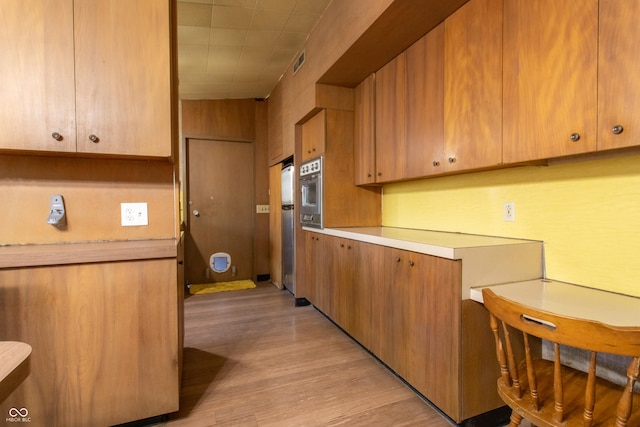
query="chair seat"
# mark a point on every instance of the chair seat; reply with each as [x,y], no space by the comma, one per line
[574,384]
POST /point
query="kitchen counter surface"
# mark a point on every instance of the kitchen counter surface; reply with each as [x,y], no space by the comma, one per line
[485,259]
[13,256]
[570,300]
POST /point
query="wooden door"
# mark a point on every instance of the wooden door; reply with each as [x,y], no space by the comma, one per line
[123,76]
[36,66]
[364,136]
[319,270]
[342,279]
[390,119]
[550,71]
[220,207]
[425,105]
[368,279]
[275,225]
[618,65]
[473,86]
[313,136]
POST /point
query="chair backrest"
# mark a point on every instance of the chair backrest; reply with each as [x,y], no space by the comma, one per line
[537,389]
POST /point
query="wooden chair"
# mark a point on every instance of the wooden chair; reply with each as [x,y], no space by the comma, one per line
[548,393]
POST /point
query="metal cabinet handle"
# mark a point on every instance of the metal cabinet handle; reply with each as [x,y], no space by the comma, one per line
[94,138]
[411,263]
[452,160]
[56,136]
[575,136]
[436,163]
[196,212]
[398,259]
[617,129]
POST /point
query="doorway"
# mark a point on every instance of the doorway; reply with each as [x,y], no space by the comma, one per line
[220,200]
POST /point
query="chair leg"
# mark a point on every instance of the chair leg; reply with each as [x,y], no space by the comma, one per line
[515,419]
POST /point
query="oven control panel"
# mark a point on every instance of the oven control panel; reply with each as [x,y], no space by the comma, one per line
[311,167]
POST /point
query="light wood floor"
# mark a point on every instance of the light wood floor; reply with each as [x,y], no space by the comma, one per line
[253,359]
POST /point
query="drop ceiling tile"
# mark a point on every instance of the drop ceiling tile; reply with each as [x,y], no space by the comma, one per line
[193,35]
[227,37]
[292,41]
[194,14]
[192,59]
[213,78]
[268,20]
[301,22]
[249,4]
[281,5]
[265,39]
[311,6]
[223,59]
[197,1]
[231,17]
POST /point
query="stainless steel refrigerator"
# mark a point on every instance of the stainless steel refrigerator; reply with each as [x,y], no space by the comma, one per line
[288,253]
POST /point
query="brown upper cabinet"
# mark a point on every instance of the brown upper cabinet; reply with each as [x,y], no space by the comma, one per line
[314,134]
[618,65]
[550,74]
[364,138]
[473,86]
[83,76]
[390,108]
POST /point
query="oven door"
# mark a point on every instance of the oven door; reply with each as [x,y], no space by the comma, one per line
[311,201]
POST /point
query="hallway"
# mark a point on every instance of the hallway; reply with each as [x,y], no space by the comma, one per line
[253,359]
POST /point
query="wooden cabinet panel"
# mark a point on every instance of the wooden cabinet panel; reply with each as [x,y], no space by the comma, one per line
[274,113]
[342,282]
[618,83]
[473,86]
[367,282]
[37,69]
[319,270]
[425,105]
[550,71]
[314,134]
[104,339]
[275,225]
[390,119]
[364,138]
[96,78]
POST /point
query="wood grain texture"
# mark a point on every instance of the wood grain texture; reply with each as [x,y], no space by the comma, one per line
[123,77]
[252,358]
[232,119]
[275,225]
[314,135]
[618,86]
[473,86]
[550,72]
[14,366]
[104,339]
[38,89]
[390,132]
[425,105]
[364,148]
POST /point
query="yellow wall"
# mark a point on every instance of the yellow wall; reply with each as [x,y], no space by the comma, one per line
[587,213]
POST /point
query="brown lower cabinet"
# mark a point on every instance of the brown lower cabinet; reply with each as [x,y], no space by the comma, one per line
[407,309]
[104,336]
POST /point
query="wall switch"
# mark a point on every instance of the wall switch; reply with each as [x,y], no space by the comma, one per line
[262,208]
[509,211]
[134,214]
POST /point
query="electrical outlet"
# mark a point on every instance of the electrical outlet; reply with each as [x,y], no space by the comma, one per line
[262,208]
[134,214]
[509,211]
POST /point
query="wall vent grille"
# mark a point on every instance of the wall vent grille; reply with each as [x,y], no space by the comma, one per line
[298,63]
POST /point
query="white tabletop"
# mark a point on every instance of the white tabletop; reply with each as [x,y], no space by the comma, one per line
[570,300]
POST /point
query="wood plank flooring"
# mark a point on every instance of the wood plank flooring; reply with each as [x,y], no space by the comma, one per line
[253,359]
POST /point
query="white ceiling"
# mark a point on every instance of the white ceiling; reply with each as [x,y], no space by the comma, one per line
[240,48]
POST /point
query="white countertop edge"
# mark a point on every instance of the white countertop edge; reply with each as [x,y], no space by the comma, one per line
[439,251]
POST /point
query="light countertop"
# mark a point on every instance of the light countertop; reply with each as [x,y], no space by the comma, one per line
[570,300]
[485,259]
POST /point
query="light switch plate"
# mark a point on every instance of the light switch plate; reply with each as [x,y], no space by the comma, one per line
[262,208]
[134,214]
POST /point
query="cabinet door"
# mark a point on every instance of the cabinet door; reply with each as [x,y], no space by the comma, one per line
[433,328]
[123,77]
[367,294]
[36,65]
[425,105]
[618,83]
[390,120]
[313,136]
[473,86]
[550,70]
[104,339]
[318,271]
[364,142]
[342,281]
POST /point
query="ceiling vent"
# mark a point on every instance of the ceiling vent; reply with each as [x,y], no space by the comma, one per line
[298,63]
